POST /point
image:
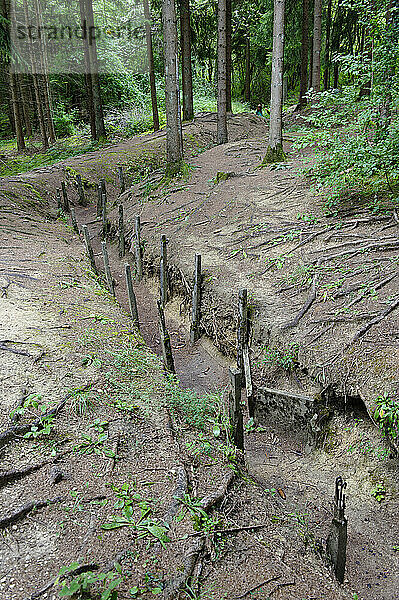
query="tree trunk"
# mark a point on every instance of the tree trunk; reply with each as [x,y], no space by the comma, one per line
[247,88]
[275,150]
[95,79]
[327,49]
[17,112]
[303,88]
[221,69]
[336,39]
[174,141]
[87,75]
[25,105]
[187,77]
[229,108]
[151,70]
[316,45]
[44,80]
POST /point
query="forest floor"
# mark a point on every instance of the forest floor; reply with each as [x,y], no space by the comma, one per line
[117,452]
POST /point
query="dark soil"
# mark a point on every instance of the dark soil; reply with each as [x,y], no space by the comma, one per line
[60,318]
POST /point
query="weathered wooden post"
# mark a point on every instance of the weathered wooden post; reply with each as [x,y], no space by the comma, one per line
[104,215]
[99,201]
[337,539]
[89,248]
[137,249]
[196,301]
[59,200]
[163,271]
[168,361]
[65,197]
[242,330]
[121,177]
[81,192]
[131,296]
[236,419]
[248,381]
[121,232]
[74,221]
[108,276]
[103,188]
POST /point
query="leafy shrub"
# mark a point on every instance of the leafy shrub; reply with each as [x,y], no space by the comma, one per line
[64,121]
[386,415]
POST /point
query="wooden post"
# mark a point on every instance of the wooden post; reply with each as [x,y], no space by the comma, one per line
[108,276]
[121,230]
[99,201]
[59,200]
[65,197]
[121,177]
[196,301]
[131,296]
[236,419]
[242,329]
[104,215]
[138,250]
[80,189]
[103,188]
[74,221]
[248,382]
[168,361]
[89,248]
[337,539]
[163,271]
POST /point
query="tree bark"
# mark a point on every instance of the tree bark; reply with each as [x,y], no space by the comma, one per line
[87,75]
[221,87]
[275,150]
[187,77]
[151,70]
[174,140]
[44,79]
[327,49]
[316,45]
[25,104]
[229,108]
[17,112]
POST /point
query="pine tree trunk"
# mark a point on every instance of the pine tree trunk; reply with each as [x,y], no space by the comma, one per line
[229,108]
[151,70]
[187,78]
[327,49]
[25,105]
[275,150]
[247,88]
[44,80]
[87,75]
[304,55]
[316,45]
[174,141]
[95,79]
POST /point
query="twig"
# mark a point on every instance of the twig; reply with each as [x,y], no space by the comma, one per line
[257,587]
[311,298]
[280,585]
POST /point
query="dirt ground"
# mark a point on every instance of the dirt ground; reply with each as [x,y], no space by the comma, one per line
[63,334]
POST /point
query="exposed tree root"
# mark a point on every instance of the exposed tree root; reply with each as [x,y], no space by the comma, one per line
[311,298]
[374,321]
[257,587]
[18,430]
[49,585]
[26,509]
[180,490]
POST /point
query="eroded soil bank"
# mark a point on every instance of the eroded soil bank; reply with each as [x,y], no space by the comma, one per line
[61,332]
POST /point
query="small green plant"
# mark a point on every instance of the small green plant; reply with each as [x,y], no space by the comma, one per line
[82,400]
[379,491]
[34,406]
[386,415]
[79,586]
[283,358]
[92,445]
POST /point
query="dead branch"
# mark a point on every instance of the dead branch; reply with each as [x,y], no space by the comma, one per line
[26,509]
[19,352]
[280,585]
[311,298]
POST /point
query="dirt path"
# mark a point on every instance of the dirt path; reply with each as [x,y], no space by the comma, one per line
[50,299]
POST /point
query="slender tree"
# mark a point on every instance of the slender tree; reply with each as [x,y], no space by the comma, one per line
[187,78]
[275,150]
[247,87]
[221,88]
[151,70]
[174,138]
[303,87]
[327,48]
[316,45]
[87,75]
[229,65]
